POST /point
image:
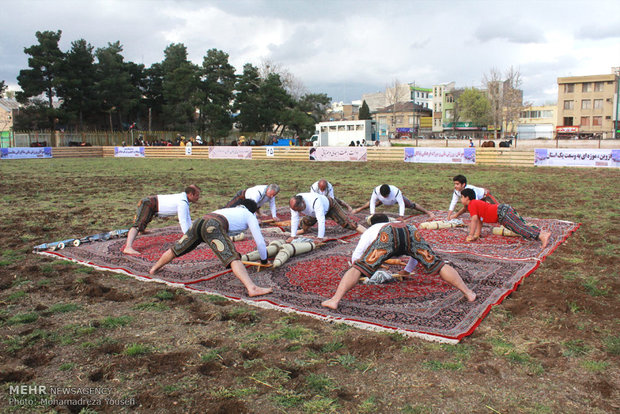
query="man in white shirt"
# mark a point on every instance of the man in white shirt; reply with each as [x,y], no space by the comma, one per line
[384,240]
[460,183]
[215,230]
[324,187]
[389,195]
[260,194]
[163,205]
[316,207]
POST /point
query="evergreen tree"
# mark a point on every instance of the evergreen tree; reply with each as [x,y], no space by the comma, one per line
[364,112]
[2,88]
[179,86]
[44,61]
[154,95]
[115,87]
[217,86]
[273,102]
[76,83]
[247,99]
[42,77]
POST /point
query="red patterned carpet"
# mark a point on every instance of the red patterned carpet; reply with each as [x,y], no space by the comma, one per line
[421,305]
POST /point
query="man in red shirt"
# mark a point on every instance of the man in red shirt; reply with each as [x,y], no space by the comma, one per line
[498,213]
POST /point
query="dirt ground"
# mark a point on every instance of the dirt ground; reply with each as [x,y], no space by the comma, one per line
[551,347]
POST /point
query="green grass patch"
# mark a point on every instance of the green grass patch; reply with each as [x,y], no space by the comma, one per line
[22,318]
[321,405]
[66,366]
[320,384]
[63,308]
[595,366]
[113,322]
[575,348]
[151,306]
[137,349]
[594,288]
[164,295]
[369,405]
[215,299]
[612,344]
[332,347]
[435,365]
[16,296]
[288,399]
[233,393]
[212,354]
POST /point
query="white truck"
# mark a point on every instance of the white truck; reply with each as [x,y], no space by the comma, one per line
[342,133]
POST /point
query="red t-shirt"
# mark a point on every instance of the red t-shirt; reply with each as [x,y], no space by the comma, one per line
[487,212]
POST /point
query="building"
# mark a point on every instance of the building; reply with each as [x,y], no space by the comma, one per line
[8,109]
[588,106]
[401,120]
[421,96]
[437,105]
[536,122]
[339,111]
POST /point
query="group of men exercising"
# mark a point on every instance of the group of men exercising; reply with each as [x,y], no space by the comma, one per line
[382,240]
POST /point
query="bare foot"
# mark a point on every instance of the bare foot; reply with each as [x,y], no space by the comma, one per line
[129,250]
[153,271]
[471,296]
[257,291]
[330,303]
[544,237]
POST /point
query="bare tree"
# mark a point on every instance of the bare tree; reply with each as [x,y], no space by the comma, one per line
[396,92]
[513,98]
[492,82]
[291,84]
[505,96]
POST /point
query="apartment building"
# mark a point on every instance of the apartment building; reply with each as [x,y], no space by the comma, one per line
[536,122]
[588,106]
[402,120]
[437,105]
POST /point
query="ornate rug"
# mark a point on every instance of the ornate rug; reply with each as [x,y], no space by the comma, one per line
[420,305]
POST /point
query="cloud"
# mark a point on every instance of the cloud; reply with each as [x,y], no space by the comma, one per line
[513,33]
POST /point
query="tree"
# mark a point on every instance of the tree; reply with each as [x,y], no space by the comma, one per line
[274,101]
[115,87]
[306,113]
[474,106]
[76,82]
[290,83]
[364,112]
[2,88]
[247,99]
[154,93]
[394,93]
[505,97]
[180,85]
[42,77]
[218,83]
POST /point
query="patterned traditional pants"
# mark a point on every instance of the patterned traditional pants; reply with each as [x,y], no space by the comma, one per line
[398,239]
[236,200]
[147,208]
[213,230]
[509,218]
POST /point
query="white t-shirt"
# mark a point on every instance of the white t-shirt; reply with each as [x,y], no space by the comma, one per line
[395,196]
[175,204]
[259,194]
[316,206]
[456,196]
[329,191]
[239,218]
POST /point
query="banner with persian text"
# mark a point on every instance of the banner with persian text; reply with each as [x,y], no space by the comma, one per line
[577,157]
[339,154]
[237,153]
[129,151]
[441,155]
[20,153]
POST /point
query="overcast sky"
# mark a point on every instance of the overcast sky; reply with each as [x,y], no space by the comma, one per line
[340,47]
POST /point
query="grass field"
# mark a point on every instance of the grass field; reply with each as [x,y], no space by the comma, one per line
[552,347]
